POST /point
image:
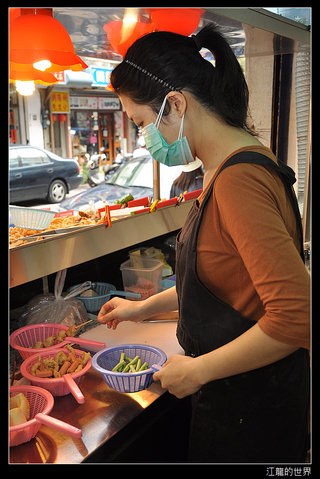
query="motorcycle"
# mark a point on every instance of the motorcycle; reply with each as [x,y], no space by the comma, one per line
[95,174]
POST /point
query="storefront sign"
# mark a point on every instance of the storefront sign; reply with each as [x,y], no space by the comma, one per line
[94,103]
[59,76]
[100,75]
[60,102]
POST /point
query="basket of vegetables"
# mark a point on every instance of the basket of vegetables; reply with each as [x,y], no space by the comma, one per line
[128,367]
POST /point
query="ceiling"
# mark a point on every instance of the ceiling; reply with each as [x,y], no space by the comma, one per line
[85,27]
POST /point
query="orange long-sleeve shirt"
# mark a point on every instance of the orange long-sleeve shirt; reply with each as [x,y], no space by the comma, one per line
[248,251]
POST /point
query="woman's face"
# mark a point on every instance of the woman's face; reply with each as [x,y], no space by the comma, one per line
[143,115]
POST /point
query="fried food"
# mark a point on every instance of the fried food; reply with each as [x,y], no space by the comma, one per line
[21,402]
[58,338]
[16,234]
[60,364]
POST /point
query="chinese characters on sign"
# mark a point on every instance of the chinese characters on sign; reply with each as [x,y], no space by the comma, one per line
[60,102]
[59,76]
[94,103]
[100,75]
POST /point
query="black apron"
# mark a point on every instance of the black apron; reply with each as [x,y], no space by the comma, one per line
[260,416]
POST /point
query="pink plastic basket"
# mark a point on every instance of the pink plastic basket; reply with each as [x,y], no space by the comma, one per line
[41,403]
[57,386]
[24,338]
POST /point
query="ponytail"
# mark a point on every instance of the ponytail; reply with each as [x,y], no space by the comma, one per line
[164,61]
[228,89]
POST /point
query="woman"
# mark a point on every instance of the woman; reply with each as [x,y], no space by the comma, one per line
[242,288]
[190,179]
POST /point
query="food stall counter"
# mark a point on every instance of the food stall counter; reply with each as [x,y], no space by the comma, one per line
[41,258]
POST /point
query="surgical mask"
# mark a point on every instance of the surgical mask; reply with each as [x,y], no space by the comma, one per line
[178,153]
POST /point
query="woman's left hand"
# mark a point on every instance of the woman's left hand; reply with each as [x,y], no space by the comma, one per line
[179,376]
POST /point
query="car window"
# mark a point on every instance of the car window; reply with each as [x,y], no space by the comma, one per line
[143,176]
[124,176]
[14,160]
[32,157]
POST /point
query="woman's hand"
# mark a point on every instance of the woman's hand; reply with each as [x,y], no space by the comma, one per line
[119,309]
[179,375]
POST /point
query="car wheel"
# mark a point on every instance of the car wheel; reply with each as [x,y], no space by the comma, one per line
[57,191]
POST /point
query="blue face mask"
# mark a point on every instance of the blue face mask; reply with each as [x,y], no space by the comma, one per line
[178,153]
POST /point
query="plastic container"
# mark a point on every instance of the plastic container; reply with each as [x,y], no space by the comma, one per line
[145,252]
[104,291]
[56,386]
[143,277]
[23,339]
[31,218]
[105,360]
[41,403]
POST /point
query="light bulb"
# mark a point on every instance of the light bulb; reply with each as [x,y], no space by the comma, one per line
[129,22]
[42,65]
[25,88]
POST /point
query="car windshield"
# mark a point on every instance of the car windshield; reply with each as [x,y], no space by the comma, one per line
[137,172]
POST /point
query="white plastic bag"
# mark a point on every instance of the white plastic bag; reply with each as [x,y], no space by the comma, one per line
[58,307]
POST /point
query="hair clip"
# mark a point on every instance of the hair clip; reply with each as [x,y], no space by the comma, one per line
[154,77]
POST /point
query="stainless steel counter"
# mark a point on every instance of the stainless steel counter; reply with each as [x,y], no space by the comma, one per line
[36,260]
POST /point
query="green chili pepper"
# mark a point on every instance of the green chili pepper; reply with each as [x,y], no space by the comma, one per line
[127,364]
[119,365]
[144,366]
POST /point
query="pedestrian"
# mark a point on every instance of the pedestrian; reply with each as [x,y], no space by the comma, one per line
[242,289]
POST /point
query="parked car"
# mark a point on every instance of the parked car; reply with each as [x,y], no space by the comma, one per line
[135,177]
[36,173]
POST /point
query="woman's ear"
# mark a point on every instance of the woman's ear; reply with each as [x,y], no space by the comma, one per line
[177,102]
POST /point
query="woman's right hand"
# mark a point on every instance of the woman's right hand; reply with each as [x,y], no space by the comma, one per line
[119,309]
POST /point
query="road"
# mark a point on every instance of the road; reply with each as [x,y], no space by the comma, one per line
[55,206]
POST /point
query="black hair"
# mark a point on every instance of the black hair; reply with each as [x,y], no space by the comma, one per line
[160,62]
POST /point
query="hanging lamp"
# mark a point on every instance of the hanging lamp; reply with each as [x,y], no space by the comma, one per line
[39,45]
[177,20]
[115,30]
[35,36]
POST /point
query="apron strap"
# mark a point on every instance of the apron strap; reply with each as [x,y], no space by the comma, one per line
[286,174]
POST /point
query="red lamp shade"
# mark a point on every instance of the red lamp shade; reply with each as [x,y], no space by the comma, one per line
[114,32]
[24,72]
[177,20]
[36,35]
[13,14]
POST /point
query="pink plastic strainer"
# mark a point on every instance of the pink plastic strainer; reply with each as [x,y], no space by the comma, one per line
[41,403]
[23,339]
[57,386]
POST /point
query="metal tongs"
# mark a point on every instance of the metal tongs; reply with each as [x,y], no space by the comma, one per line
[55,232]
